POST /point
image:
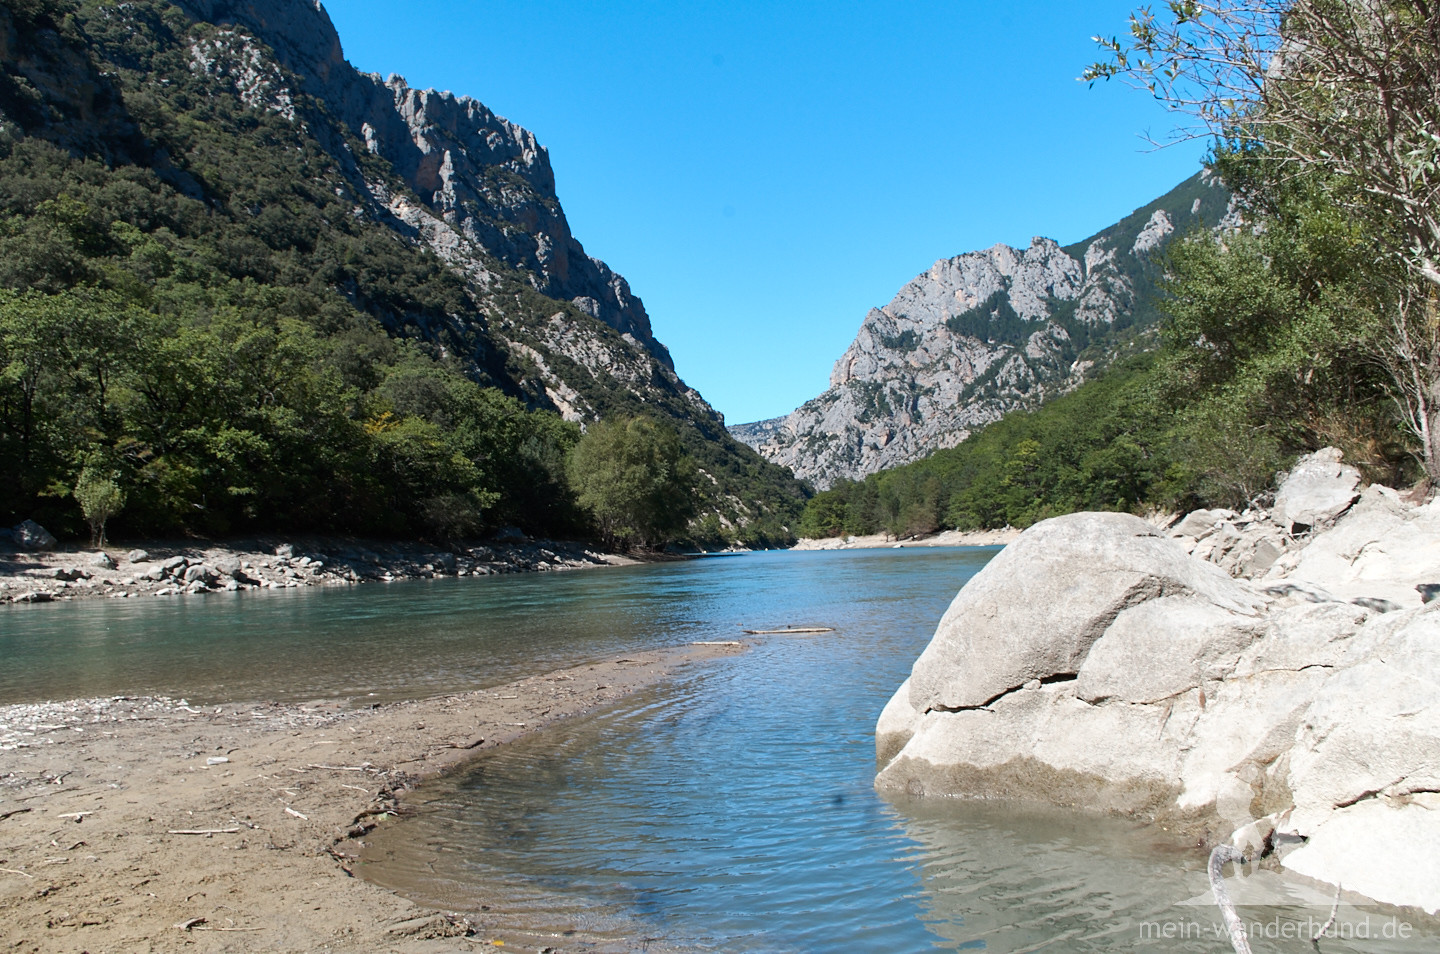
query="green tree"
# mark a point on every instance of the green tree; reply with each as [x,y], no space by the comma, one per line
[635,479]
[100,498]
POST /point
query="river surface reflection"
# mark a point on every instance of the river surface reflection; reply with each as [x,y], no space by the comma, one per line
[731,810]
[734,810]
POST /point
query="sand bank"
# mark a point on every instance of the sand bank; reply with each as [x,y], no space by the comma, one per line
[148,824]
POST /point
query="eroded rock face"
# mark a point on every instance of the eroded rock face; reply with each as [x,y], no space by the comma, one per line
[485,186]
[1097,663]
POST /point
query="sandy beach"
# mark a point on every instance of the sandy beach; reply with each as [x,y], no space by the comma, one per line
[945,538]
[149,824]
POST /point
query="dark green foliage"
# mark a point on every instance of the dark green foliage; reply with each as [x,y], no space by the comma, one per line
[995,321]
[1272,336]
[906,340]
[635,479]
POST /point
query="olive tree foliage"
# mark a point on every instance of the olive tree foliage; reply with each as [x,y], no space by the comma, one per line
[1343,92]
[635,479]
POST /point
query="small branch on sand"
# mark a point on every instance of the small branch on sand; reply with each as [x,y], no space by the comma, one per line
[203,831]
[19,872]
[15,811]
[75,815]
[291,811]
[187,925]
[1233,924]
[788,632]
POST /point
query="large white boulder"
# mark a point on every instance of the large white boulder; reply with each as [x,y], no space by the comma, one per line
[1038,607]
[1317,490]
[1095,663]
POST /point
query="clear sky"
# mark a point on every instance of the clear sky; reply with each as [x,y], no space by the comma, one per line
[764,173]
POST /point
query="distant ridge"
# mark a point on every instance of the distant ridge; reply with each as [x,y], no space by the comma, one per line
[979,335]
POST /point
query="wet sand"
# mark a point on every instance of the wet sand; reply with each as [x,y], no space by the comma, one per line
[147,824]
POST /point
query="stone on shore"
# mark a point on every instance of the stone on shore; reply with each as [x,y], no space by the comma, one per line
[29,535]
[1085,570]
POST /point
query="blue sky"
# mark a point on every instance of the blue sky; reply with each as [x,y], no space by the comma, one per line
[765,173]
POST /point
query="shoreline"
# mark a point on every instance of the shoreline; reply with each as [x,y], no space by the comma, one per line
[879,541]
[146,823]
[187,568]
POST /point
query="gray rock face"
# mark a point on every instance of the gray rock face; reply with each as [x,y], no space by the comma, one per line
[960,345]
[1317,490]
[1085,569]
[917,378]
[29,535]
[1095,662]
[486,185]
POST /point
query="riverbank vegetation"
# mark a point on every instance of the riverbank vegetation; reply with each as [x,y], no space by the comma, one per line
[1309,321]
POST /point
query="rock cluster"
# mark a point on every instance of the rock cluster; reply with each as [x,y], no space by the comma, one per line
[1276,689]
[31,578]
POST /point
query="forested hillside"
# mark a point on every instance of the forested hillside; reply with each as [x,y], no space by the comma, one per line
[253,289]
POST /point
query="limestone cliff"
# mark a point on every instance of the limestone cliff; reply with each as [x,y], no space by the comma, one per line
[484,185]
[979,335]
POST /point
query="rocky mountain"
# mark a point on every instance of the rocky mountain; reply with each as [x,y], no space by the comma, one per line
[422,209]
[473,187]
[979,335]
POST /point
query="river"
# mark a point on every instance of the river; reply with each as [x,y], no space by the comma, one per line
[731,810]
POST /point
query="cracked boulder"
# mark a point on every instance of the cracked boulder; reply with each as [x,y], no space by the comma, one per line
[1317,490]
[1365,766]
[1035,611]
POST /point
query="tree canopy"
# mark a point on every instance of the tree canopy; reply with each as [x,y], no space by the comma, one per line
[635,479]
[1338,101]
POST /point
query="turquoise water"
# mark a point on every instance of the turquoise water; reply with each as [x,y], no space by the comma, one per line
[729,811]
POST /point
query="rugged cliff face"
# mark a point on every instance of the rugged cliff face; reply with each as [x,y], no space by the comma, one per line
[484,185]
[977,336]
